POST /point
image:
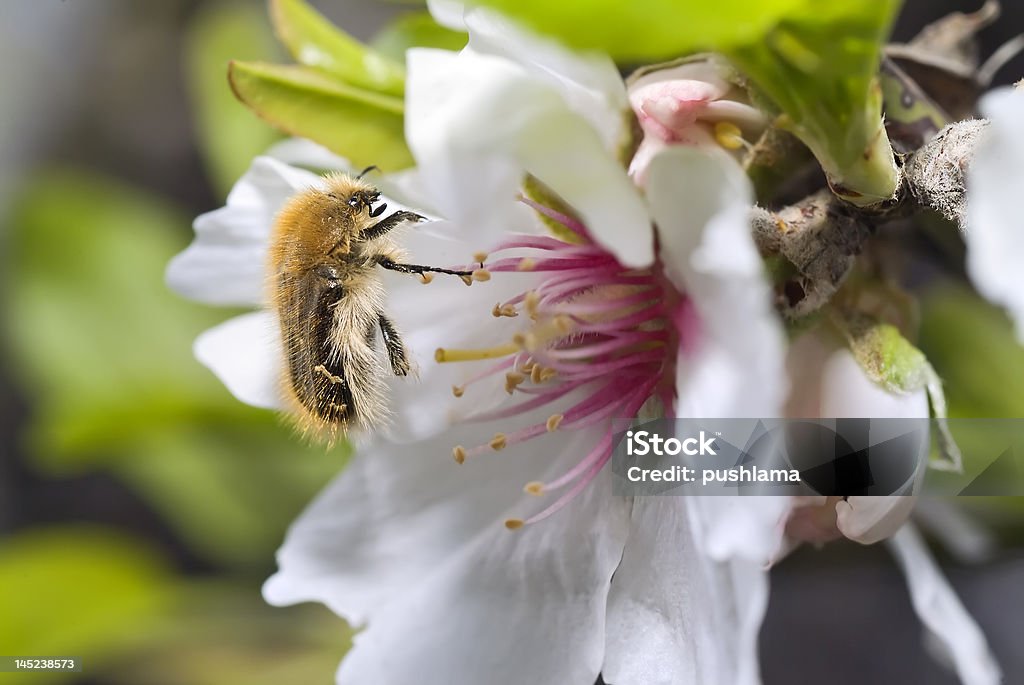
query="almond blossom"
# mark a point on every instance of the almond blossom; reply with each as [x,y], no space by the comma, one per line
[477,538]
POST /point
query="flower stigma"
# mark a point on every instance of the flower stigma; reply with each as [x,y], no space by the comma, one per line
[598,340]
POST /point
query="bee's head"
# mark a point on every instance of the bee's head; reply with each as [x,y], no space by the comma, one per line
[365,199]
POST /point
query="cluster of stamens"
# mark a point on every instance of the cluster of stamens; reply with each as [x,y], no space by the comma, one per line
[598,342]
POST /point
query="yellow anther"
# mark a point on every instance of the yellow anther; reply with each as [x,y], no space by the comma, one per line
[480,257]
[563,324]
[459,453]
[526,264]
[426,278]
[504,310]
[512,381]
[498,442]
[514,524]
[535,488]
[729,135]
[535,373]
[458,390]
[554,421]
[442,355]
[481,275]
[527,366]
[547,374]
[467,279]
[532,302]
[529,341]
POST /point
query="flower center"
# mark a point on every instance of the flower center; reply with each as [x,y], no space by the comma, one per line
[599,341]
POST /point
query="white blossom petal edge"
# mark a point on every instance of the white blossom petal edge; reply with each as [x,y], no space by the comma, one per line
[942,612]
[995,224]
[477,124]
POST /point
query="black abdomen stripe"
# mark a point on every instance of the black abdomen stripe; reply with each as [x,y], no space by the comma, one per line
[318,376]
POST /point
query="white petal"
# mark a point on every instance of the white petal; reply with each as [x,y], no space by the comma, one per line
[969,539]
[448,13]
[268,184]
[245,354]
[995,231]
[740,527]
[829,383]
[301,152]
[710,71]
[868,520]
[942,612]
[225,263]
[676,615]
[734,364]
[476,124]
[415,543]
[590,84]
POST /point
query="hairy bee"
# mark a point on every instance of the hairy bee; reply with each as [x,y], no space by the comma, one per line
[325,249]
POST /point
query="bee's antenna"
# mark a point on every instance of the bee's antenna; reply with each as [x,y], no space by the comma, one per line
[372,167]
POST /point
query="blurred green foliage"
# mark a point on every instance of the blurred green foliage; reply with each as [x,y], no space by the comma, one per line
[71,590]
[229,135]
[342,94]
[416,30]
[972,346]
[316,43]
[102,352]
[363,126]
[819,67]
[652,30]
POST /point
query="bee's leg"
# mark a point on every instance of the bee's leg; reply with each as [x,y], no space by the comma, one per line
[392,265]
[393,344]
[386,224]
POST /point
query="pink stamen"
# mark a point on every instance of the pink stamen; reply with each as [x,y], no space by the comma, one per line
[564,219]
[599,342]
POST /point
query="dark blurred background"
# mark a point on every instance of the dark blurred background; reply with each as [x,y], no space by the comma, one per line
[140,505]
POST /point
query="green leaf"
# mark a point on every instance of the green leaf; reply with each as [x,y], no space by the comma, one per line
[229,135]
[363,126]
[77,591]
[972,346]
[416,30]
[650,30]
[88,317]
[819,67]
[315,42]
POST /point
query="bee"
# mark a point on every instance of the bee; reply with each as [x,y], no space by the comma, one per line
[326,246]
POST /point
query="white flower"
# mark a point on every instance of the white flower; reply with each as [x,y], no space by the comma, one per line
[409,544]
[828,382]
[406,535]
[995,219]
[657,590]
